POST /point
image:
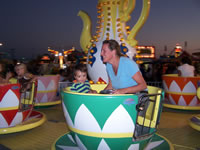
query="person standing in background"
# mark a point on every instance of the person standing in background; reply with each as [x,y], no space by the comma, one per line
[186,69]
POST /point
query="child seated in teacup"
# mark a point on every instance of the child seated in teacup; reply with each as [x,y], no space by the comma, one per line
[4,77]
[24,77]
[81,83]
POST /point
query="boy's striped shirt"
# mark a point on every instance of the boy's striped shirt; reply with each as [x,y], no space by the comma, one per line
[81,87]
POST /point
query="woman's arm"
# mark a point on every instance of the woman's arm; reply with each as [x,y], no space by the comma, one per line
[133,89]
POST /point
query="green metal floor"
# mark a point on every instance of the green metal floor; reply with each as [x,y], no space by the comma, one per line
[173,125]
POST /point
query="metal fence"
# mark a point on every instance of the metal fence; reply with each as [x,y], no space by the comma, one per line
[63,85]
[155,83]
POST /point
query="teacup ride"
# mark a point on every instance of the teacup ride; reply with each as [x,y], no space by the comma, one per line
[181,92]
[194,122]
[16,109]
[47,91]
[112,121]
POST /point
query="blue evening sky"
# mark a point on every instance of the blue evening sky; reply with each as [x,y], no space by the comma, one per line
[30,26]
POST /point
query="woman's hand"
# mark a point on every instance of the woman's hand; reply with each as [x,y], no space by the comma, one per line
[119,91]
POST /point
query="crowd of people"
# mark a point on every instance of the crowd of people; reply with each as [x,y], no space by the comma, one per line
[125,76]
[153,71]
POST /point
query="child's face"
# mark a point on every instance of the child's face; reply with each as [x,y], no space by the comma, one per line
[80,76]
[20,71]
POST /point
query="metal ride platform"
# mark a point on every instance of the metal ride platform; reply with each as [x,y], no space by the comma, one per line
[173,126]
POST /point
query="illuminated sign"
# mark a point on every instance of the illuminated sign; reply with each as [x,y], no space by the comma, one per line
[178,49]
[145,52]
[45,58]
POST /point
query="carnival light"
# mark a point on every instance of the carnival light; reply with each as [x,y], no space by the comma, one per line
[178,50]
[145,52]
[59,55]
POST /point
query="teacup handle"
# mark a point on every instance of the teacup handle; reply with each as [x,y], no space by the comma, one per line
[198,93]
[198,90]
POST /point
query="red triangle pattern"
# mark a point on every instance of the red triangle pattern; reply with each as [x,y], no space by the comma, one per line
[35,113]
[175,98]
[9,115]
[25,114]
[188,98]
[4,89]
[181,82]
[168,80]
[195,81]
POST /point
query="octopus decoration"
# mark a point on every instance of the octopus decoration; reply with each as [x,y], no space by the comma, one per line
[111,24]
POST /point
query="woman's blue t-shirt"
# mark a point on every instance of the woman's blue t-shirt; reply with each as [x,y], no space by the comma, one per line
[126,70]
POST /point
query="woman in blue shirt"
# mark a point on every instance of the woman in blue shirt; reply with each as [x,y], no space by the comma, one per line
[123,73]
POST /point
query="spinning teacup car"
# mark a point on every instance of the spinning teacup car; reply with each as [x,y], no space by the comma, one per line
[16,109]
[47,91]
[181,92]
[112,121]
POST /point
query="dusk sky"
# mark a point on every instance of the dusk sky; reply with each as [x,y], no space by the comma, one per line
[30,26]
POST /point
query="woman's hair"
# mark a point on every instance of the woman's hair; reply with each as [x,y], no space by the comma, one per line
[113,45]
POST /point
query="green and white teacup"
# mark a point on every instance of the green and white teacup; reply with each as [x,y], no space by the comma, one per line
[102,121]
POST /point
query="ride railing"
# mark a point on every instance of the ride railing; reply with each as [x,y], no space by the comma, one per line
[149,109]
[62,85]
[155,83]
[27,97]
